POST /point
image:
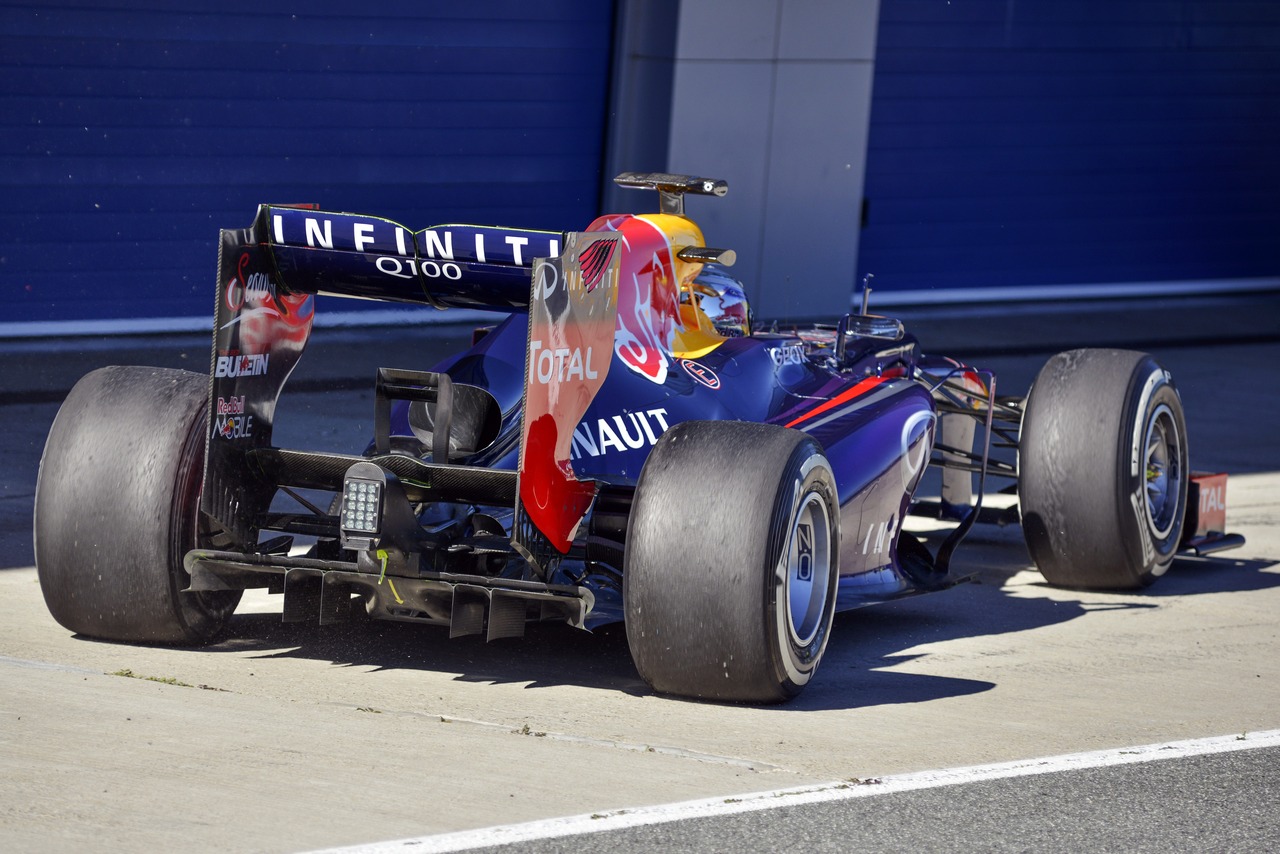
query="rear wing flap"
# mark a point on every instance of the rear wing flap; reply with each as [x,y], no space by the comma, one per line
[268,276]
[446,266]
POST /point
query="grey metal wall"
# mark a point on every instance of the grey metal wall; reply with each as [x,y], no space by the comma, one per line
[772,95]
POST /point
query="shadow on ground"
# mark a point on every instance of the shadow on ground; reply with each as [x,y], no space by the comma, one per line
[856,671]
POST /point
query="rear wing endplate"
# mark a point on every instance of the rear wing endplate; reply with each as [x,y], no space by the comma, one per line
[573,306]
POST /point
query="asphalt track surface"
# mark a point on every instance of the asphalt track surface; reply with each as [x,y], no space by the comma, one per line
[296,737]
[1217,797]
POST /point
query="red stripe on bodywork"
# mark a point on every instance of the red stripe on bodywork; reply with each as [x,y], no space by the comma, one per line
[844,397]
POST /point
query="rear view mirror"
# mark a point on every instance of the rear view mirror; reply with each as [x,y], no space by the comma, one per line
[870,326]
[853,327]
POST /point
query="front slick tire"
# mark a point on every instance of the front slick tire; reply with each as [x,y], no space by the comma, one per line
[730,573]
[117,507]
[1102,470]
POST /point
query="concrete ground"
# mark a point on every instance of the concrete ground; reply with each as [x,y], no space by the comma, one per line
[288,737]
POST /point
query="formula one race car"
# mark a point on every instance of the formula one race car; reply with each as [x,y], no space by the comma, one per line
[623,447]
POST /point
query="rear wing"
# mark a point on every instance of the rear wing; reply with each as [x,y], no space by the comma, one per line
[356,255]
[268,275]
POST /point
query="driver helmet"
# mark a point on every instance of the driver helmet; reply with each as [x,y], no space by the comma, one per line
[723,299]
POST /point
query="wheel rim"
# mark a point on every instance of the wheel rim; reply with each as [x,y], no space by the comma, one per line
[808,577]
[1162,467]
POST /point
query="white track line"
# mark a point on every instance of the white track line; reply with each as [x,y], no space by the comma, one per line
[711,807]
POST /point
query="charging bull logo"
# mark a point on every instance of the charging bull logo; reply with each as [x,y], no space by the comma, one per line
[648,298]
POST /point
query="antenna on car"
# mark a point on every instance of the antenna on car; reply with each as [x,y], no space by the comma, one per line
[866,291]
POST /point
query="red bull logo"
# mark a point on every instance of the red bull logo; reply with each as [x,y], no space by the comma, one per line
[648,297]
[233,427]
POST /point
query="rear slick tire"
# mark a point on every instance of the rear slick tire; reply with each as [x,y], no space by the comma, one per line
[731,573]
[117,507]
[1102,470]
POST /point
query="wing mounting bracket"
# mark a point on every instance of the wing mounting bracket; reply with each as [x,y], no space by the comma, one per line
[672,188]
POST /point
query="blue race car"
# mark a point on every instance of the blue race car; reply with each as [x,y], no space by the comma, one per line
[624,446]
